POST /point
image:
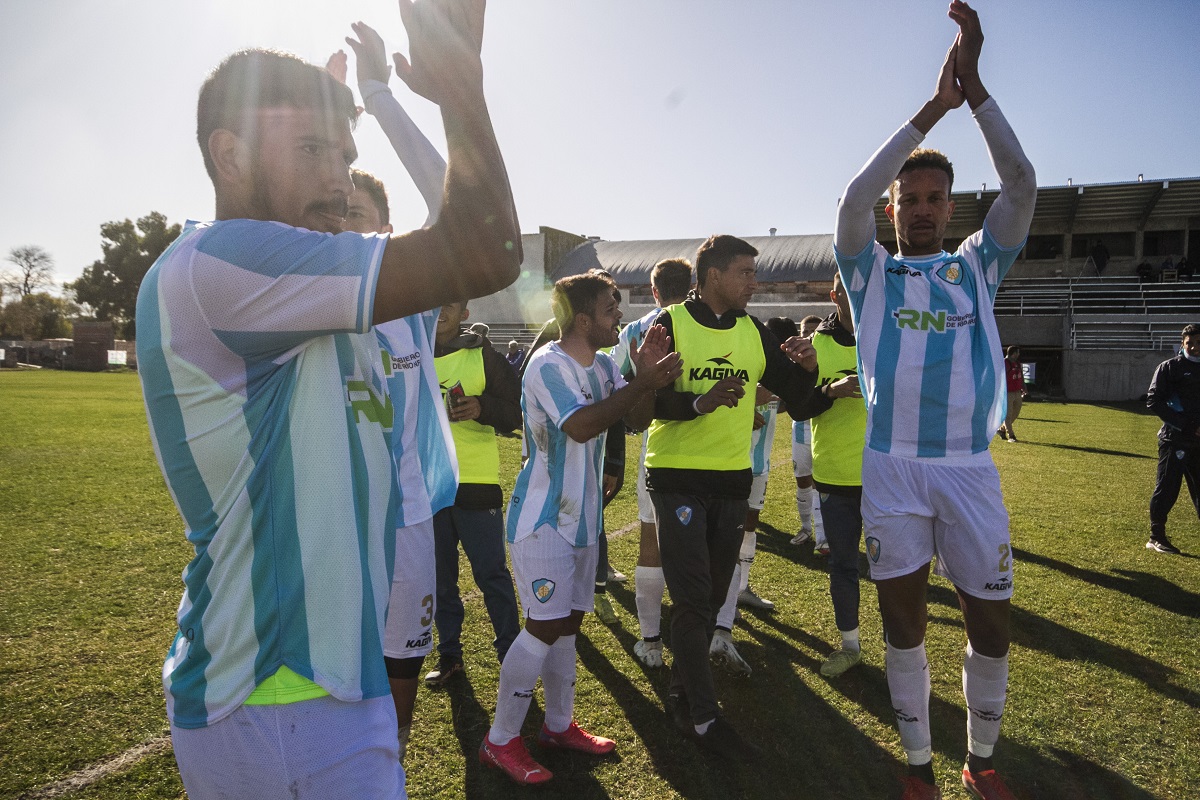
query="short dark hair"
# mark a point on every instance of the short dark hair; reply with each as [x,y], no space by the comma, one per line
[784,328]
[1189,330]
[366,182]
[718,251]
[1012,350]
[606,274]
[924,158]
[576,295]
[672,278]
[252,79]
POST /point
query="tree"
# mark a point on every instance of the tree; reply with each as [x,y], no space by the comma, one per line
[34,270]
[110,285]
[37,316]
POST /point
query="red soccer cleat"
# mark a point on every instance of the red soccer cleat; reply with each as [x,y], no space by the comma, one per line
[576,738]
[515,761]
[917,789]
[986,785]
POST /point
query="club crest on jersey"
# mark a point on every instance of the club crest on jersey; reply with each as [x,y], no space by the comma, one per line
[951,271]
[543,589]
[873,549]
[684,514]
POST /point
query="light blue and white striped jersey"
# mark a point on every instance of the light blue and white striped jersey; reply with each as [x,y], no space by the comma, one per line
[269,413]
[630,338]
[762,439]
[422,444]
[559,486]
[802,432]
[928,349]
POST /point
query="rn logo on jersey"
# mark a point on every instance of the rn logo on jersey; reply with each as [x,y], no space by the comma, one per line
[918,320]
[543,589]
[721,368]
[684,514]
[873,549]
[951,271]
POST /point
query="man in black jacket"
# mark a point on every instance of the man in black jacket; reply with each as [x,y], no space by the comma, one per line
[698,465]
[483,397]
[1174,395]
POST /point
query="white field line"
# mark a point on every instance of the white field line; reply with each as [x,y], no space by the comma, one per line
[87,776]
[78,781]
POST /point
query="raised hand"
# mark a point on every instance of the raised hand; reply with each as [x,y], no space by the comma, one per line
[444,38]
[800,351]
[655,363]
[370,56]
[336,66]
[970,40]
[726,392]
[948,93]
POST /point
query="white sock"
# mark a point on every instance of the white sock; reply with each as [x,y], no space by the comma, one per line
[558,684]
[985,685]
[729,607]
[402,734]
[804,507]
[518,678]
[746,558]
[908,681]
[649,587]
[850,640]
[703,727]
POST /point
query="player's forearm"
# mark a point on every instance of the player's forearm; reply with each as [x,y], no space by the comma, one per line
[478,221]
[1009,217]
[590,421]
[855,227]
[420,158]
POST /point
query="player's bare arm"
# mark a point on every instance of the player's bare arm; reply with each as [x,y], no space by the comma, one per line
[657,366]
[474,248]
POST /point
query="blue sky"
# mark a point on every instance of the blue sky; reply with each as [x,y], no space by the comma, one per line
[624,119]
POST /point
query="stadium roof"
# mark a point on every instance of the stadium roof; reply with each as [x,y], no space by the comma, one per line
[1083,206]
[810,257]
[781,258]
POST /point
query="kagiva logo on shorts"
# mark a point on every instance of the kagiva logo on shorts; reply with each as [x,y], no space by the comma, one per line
[873,549]
[684,514]
[543,589]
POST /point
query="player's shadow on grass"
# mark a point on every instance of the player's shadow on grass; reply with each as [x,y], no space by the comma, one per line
[778,543]
[1097,450]
[1148,588]
[1036,632]
[774,709]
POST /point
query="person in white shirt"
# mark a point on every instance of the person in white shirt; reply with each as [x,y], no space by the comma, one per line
[571,396]
[931,374]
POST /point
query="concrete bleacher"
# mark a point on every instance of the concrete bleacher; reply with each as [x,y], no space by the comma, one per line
[1111,313]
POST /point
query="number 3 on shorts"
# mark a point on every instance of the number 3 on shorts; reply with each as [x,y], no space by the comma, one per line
[427,604]
[1005,558]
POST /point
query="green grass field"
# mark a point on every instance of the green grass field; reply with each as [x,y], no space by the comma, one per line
[1105,667]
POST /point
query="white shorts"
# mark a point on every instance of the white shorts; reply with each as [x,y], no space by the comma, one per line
[553,578]
[915,510]
[801,459]
[645,507]
[408,631]
[315,748]
[758,491]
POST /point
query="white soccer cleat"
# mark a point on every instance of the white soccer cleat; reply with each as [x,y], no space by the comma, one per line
[649,653]
[803,536]
[723,651]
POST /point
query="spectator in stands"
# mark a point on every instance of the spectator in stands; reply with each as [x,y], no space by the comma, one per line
[1174,395]
[1167,264]
[1015,379]
[1099,255]
[1146,272]
[1185,269]
[515,356]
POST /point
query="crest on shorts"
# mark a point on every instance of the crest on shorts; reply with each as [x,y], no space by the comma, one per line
[873,549]
[684,514]
[951,272]
[543,589]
